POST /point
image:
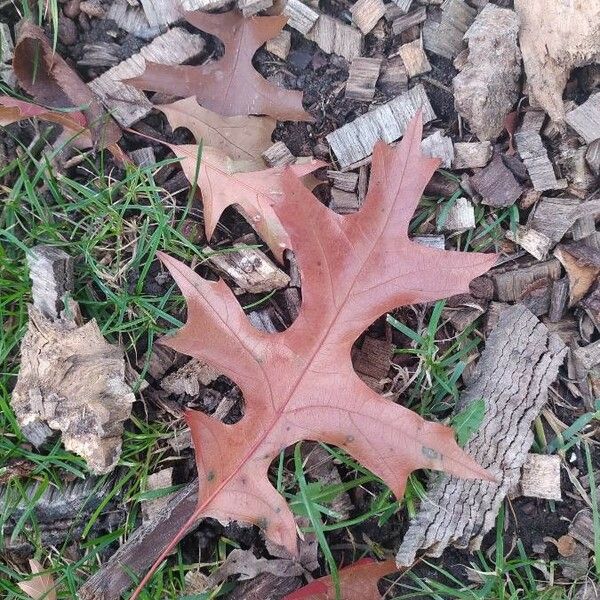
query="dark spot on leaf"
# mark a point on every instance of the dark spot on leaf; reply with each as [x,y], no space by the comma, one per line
[430,453]
[210,475]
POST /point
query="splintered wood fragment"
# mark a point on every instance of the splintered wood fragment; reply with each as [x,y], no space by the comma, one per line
[334,37]
[251,7]
[366,13]
[143,157]
[535,156]
[512,283]
[559,299]
[280,45]
[161,12]
[132,19]
[461,216]
[51,273]
[409,20]
[585,119]
[189,378]
[394,78]
[439,146]
[127,104]
[372,361]
[354,141]
[157,481]
[582,264]
[403,5]
[100,54]
[343,181]
[553,216]
[431,241]
[300,16]
[471,155]
[496,184]
[459,512]
[161,359]
[250,269]
[344,203]
[446,37]
[414,57]
[541,477]
[362,78]
[278,155]
[592,157]
[536,243]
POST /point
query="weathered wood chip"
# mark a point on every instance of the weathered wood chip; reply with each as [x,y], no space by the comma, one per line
[334,37]
[437,145]
[280,45]
[446,37]
[496,184]
[536,243]
[512,283]
[460,512]
[471,155]
[582,264]
[553,216]
[592,156]
[362,78]
[346,182]
[415,17]
[189,378]
[300,16]
[394,78]
[414,57]
[461,216]
[354,141]
[372,361]
[157,481]
[585,119]
[541,477]
[403,5]
[278,155]
[535,156]
[251,7]
[366,13]
[344,203]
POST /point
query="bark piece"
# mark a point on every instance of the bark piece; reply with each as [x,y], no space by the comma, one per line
[366,13]
[128,104]
[278,155]
[559,299]
[471,155]
[460,217]
[446,37]
[512,283]
[394,78]
[414,57]
[432,241]
[487,87]
[535,156]
[372,361]
[362,78]
[189,378]
[553,216]
[496,184]
[354,141]
[280,45]
[556,37]
[439,146]
[461,512]
[250,269]
[416,17]
[333,37]
[541,477]
[585,119]
[536,243]
[300,16]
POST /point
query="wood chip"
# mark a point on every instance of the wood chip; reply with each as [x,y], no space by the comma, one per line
[132,19]
[431,241]
[280,45]
[366,13]
[559,299]
[278,155]
[461,216]
[511,284]
[535,156]
[592,157]
[496,184]
[536,243]
[157,481]
[128,104]
[394,78]
[372,361]
[362,78]
[354,141]
[188,378]
[461,512]
[471,155]
[249,269]
[344,203]
[333,37]
[553,216]
[439,146]
[585,119]
[343,181]
[582,528]
[300,16]
[403,5]
[415,59]
[6,44]
[250,8]
[446,37]
[143,157]
[541,477]
[416,17]
[582,264]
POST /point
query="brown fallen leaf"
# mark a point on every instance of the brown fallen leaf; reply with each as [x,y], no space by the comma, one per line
[300,384]
[229,86]
[357,582]
[40,585]
[254,192]
[582,264]
[241,138]
[43,74]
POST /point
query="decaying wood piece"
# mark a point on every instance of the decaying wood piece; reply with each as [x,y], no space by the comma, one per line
[344,203]
[513,282]
[541,477]
[362,78]
[535,156]
[496,184]
[446,37]
[346,182]
[300,16]
[471,155]
[559,299]
[575,169]
[394,78]
[189,378]
[439,146]
[536,243]
[414,57]
[128,104]
[415,17]
[487,87]
[366,13]
[278,155]
[249,269]
[372,361]
[334,37]
[461,216]
[70,378]
[354,141]
[553,216]
[460,512]
[556,37]
[585,119]
[280,45]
